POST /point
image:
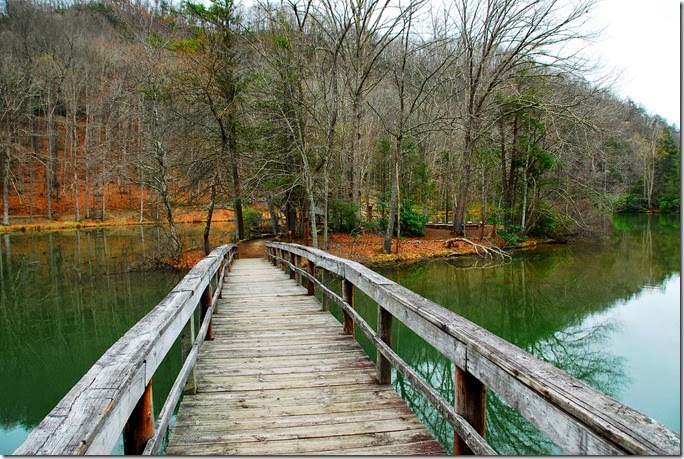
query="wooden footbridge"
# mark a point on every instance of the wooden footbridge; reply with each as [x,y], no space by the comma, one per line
[270,371]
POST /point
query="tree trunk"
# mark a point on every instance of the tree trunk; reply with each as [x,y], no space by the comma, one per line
[387,244]
[523,216]
[273,214]
[34,155]
[210,213]
[512,176]
[142,202]
[177,246]
[462,195]
[74,159]
[235,176]
[86,145]
[5,164]
[326,191]
[290,214]
[312,214]
[49,172]
[650,170]
[354,159]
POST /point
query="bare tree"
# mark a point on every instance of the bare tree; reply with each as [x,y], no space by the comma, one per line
[335,22]
[375,25]
[495,39]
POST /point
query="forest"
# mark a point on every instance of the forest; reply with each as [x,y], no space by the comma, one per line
[322,115]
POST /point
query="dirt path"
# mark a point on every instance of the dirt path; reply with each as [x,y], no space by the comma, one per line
[255,248]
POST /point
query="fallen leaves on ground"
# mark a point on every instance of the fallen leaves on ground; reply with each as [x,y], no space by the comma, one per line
[367,248]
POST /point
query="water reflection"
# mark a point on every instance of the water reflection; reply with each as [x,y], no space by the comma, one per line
[65,297]
[558,303]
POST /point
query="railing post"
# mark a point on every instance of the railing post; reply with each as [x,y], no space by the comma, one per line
[187,340]
[471,402]
[385,334]
[293,273]
[348,296]
[205,303]
[310,283]
[298,264]
[140,425]
[221,273]
[324,300]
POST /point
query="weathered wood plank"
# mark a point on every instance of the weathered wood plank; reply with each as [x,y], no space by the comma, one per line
[575,416]
[315,369]
[328,445]
[219,433]
[236,421]
[275,407]
[423,448]
[304,349]
[288,380]
[297,396]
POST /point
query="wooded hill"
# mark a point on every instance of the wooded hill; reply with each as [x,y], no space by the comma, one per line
[330,113]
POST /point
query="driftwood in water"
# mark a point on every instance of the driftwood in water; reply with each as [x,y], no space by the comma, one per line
[480,249]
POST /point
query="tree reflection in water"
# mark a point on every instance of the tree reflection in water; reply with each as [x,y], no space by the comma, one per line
[576,350]
[550,301]
[65,297]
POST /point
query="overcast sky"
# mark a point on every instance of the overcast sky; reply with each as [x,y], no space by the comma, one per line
[642,44]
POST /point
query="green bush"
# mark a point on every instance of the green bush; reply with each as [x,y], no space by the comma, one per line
[630,204]
[344,216]
[551,224]
[669,205]
[412,222]
[253,222]
[512,234]
[377,225]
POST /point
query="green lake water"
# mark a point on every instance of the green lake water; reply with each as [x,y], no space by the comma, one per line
[607,313]
[65,298]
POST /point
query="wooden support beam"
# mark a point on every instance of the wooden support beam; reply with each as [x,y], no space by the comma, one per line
[220,272]
[140,425]
[187,340]
[205,303]
[471,403]
[298,264]
[385,334]
[348,295]
[293,262]
[310,284]
[324,279]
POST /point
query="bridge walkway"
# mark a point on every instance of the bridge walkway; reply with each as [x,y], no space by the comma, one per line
[280,377]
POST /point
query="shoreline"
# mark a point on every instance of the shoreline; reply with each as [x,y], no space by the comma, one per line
[364,248]
[116,218]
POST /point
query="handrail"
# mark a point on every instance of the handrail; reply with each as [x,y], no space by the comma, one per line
[116,392]
[576,417]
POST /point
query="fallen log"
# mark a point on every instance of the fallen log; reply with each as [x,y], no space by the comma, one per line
[481,250]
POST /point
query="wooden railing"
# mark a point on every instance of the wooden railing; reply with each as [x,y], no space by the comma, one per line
[115,395]
[577,418]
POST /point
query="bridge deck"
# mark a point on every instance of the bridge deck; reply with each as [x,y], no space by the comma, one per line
[280,377]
